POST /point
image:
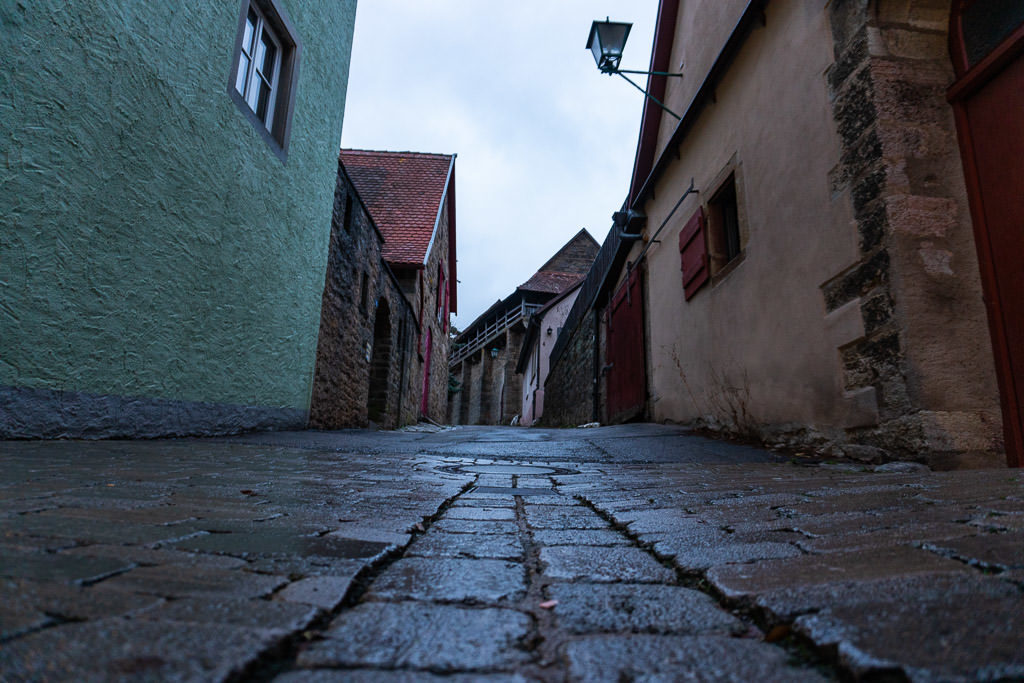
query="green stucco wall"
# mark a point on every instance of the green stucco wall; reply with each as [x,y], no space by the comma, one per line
[152,243]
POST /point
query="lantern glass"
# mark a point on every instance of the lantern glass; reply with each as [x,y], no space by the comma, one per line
[607,40]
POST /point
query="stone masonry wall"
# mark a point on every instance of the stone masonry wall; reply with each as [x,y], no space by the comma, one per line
[491,389]
[924,351]
[360,297]
[437,401]
[569,389]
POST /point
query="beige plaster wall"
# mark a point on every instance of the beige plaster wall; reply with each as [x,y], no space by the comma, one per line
[755,346]
[537,367]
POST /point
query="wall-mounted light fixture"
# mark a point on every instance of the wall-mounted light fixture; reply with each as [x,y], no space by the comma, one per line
[550,331]
[607,40]
[494,353]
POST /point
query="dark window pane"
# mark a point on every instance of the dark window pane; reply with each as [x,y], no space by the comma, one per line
[250,31]
[243,71]
[730,223]
[268,51]
[263,100]
[987,23]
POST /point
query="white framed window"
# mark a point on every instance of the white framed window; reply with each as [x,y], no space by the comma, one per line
[259,67]
[264,70]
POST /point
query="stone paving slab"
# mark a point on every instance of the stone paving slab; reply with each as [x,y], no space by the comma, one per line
[626,608]
[911,535]
[493,514]
[783,605]
[58,567]
[998,552]
[680,658]
[471,546]
[601,537]
[375,675]
[272,542]
[469,526]
[142,555]
[691,559]
[928,640]
[120,649]
[450,580]
[293,566]
[594,564]
[325,592]
[421,636]
[744,580]
[256,614]
[172,581]
[23,603]
[491,501]
[563,517]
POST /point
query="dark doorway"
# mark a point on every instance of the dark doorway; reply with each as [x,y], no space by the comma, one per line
[987,48]
[380,364]
[625,370]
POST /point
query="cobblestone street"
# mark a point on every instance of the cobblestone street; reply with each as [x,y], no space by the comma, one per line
[636,552]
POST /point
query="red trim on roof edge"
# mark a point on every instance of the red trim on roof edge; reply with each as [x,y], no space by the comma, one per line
[661,53]
[453,279]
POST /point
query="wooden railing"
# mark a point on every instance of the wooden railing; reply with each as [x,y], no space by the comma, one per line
[465,347]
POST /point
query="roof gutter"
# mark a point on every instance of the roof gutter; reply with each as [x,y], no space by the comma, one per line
[661,54]
[752,15]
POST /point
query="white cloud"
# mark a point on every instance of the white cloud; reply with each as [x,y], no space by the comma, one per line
[545,142]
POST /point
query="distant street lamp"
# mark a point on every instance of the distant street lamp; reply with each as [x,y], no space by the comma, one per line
[606,42]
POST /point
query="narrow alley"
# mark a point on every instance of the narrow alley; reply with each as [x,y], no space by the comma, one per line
[631,552]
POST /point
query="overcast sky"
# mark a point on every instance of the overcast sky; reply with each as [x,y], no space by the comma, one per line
[545,142]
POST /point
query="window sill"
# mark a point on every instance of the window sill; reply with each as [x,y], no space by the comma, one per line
[725,271]
[279,151]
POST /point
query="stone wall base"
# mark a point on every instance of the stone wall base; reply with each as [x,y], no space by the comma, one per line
[941,440]
[48,414]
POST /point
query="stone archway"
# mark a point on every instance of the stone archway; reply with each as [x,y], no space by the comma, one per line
[380,365]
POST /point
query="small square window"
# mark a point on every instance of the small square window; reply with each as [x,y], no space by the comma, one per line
[347,222]
[264,71]
[364,293]
[724,226]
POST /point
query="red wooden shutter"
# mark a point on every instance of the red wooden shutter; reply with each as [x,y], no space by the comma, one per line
[693,254]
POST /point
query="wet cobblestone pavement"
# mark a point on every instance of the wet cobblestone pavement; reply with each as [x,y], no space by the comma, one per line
[635,552]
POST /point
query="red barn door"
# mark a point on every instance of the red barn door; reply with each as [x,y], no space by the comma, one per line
[625,369]
[987,47]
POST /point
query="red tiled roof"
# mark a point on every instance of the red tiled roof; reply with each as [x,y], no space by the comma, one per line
[551,282]
[403,191]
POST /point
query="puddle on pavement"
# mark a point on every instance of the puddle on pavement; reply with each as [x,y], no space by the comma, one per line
[508,490]
[506,469]
[527,470]
[269,543]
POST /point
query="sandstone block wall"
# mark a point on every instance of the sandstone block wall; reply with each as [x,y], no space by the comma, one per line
[367,328]
[925,352]
[569,390]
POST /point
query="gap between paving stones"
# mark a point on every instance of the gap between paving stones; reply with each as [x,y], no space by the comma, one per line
[281,659]
[801,651]
[545,643]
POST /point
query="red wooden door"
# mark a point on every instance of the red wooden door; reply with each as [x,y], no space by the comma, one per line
[626,375]
[988,98]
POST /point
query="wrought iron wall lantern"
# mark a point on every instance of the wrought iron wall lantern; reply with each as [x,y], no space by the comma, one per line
[494,353]
[607,41]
